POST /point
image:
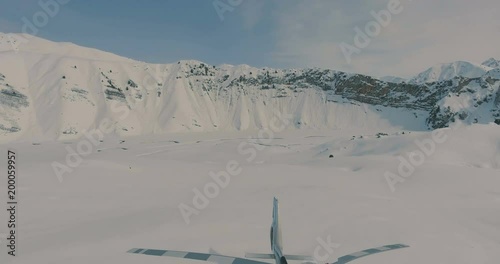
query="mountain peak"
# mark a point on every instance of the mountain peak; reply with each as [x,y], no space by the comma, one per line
[492,62]
[447,71]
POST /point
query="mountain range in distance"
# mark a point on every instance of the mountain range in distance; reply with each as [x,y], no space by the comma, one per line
[57,91]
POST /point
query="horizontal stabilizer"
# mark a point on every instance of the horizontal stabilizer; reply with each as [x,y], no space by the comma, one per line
[367,252]
[259,256]
[298,257]
[271,256]
[214,258]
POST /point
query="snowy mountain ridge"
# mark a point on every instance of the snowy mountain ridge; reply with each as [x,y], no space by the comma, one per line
[57,91]
[448,71]
[492,63]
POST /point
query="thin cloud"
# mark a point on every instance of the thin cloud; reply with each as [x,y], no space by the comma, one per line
[252,12]
[424,33]
[9,26]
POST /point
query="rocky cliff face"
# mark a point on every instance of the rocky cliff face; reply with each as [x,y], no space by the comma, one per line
[51,95]
[468,99]
[12,105]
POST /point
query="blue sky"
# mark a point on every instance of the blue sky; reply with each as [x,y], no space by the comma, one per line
[280,33]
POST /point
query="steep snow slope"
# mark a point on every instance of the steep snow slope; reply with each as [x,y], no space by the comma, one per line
[66,90]
[64,96]
[30,45]
[59,91]
[449,71]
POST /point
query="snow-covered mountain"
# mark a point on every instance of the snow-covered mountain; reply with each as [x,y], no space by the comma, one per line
[492,63]
[27,44]
[448,71]
[58,91]
[393,79]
